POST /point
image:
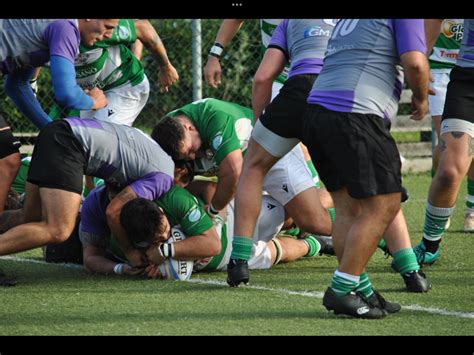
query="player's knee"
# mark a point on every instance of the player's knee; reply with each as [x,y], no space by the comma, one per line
[10,165]
[448,175]
[316,226]
[215,247]
[59,234]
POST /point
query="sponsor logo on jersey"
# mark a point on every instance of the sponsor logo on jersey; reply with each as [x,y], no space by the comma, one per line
[317,31]
[285,187]
[452,29]
[110,112]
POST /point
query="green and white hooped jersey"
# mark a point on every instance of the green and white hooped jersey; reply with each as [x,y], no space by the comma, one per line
[446,49]
[110,63]
[223,127]
[267,26]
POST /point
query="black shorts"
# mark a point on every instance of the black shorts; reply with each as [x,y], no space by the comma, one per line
[352,150]
[284,115]
[9,144]
[58,160]
[460,95]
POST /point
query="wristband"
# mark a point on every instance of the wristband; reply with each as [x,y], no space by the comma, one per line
[211,210]
[216,50]
[166,250]
[118,268]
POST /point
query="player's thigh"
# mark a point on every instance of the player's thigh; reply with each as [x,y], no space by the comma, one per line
[60,208]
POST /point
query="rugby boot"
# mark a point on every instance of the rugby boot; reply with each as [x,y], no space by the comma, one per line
[416,281]
[352,304]
[237,272]
[425,257]
[377,300]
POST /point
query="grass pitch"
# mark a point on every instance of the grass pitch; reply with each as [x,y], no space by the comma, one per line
[286,300]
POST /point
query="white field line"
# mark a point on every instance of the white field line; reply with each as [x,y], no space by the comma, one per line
[312,294]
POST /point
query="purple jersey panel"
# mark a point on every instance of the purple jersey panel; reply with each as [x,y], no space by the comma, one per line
[93,217]
[152,185]
[410,35]
[63,39]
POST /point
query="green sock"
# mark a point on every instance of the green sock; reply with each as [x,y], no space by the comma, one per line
[470,194]
[332,214]
[343,283]
[382,244]
[313,245]
[241,248]
[314,173]
[405,261]
[365,286]
[436,219]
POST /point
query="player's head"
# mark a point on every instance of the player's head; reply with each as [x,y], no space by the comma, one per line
[178,137]
[144,222]
[183,173]
[95,30]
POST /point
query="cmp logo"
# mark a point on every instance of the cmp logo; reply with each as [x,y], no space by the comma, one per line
[452,29]
[317,31]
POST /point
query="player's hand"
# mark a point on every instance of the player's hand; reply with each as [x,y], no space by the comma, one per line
[167,76]
[98,97]
[213,72]
[153,272]
[420,108]
[136,258]
[132,271]
[154,255]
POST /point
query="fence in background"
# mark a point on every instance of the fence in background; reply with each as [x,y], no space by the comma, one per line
[187,43]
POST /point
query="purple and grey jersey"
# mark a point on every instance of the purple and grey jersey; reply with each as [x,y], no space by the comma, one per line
[304,42]
[93,216]
[30,42]
[466,52]
[124,155]
[362,71]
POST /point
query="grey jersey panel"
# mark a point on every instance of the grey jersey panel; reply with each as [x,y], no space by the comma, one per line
[361,64]
[21,37]
[308,39]
[119,153]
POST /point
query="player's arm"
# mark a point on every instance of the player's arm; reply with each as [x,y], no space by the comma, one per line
[432,31]
[272,65]
[137,49]
[229,172]
[212,69]
[194,247]
[147,34]
[114,208]
[96,262]
[411,47]
[417,73]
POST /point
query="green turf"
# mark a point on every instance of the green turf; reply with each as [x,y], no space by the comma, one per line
[53,300]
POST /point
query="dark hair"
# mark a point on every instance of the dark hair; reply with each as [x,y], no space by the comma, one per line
[141,218]
[189,166]
[169,134]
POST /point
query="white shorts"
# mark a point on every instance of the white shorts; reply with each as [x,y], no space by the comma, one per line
[440,86]
[276,86]
[288,177]
[269,223]
[125,104]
